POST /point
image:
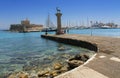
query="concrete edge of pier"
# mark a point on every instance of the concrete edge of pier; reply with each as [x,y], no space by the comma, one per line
[104,64]
[80,43]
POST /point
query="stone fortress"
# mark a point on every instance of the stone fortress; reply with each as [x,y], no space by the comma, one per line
[25,26]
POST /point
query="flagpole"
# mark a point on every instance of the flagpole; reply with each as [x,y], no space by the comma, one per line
[91,27]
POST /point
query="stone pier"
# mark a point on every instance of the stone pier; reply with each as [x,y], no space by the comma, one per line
[104,64]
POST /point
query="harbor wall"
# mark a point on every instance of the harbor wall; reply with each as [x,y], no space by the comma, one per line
[80,43]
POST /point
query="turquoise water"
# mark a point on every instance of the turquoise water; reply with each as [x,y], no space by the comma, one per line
[25,51]
[28,51]
[98,32]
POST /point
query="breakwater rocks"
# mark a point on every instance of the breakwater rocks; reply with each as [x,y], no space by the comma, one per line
[77,60]
[53,70]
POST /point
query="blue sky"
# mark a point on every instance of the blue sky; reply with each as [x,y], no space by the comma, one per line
[75,11]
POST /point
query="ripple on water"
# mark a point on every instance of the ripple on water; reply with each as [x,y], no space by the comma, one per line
[29,52]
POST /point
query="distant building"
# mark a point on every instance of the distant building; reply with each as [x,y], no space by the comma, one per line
[25,26]
[25,22]
[102,25]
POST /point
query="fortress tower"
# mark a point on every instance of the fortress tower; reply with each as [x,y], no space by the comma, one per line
[25,22]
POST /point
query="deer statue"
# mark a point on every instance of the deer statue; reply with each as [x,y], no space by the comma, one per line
[58,10]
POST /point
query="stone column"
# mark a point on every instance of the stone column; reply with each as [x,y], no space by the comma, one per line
[58,14]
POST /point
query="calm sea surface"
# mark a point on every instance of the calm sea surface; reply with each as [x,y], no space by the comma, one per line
[18,51]
[98,32]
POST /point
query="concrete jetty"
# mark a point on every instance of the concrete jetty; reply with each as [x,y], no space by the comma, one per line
[106,62]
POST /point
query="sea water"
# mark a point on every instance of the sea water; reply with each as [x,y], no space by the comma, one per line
[28,51]
[97,32]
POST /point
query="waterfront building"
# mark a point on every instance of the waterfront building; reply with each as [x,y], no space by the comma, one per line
[104,25]
[25,26]
[25,22]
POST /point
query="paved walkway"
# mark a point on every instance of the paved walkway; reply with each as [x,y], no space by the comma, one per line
[82,72]
[106,64]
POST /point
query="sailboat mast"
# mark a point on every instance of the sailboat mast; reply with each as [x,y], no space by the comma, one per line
[87,22]
[48,21]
